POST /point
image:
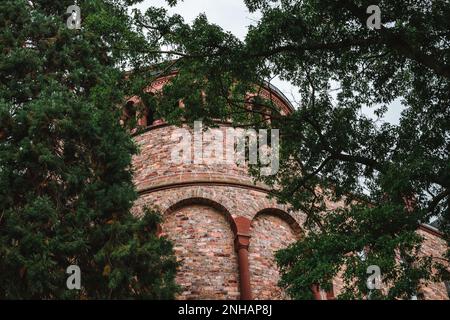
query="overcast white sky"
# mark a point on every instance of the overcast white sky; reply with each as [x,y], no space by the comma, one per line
[233,16]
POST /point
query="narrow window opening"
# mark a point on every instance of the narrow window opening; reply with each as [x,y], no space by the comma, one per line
[129,114]
[150,114]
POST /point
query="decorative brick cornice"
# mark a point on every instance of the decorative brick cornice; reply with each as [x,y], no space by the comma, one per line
[220,180]
[242,241]
[242,226]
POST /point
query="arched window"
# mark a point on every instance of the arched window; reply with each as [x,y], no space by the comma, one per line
[135,113]
[129,113]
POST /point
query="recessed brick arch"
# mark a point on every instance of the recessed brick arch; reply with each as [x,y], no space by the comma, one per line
[202,232]
[196,196]
[284,216]
[271,229]
[207,202]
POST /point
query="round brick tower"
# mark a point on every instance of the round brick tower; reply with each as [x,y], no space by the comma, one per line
[224,227]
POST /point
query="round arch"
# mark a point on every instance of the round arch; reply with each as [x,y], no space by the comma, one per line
[271,229]
[203,201]
[283,215]
[203,231]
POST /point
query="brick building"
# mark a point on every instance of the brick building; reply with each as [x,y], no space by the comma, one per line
[224,227]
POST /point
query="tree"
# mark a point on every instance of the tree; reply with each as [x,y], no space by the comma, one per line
[65,161]
[391,177]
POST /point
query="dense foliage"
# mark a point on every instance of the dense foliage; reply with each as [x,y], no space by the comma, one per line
[65,177]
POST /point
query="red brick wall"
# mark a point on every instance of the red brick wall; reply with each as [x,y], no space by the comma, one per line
[269,233]
[204,245]
[154,166]
[200,222]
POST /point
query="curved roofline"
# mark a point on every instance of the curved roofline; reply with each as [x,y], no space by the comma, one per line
[280,95]
[272,88]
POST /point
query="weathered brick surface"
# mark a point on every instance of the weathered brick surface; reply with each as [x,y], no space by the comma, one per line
[190,195]
[182,225]
[238,201]
[154,165]
[268,234]
[204,245]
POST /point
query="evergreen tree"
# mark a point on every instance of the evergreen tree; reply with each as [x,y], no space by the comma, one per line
[65,161]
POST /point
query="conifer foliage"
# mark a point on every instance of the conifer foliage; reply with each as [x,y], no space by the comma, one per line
[65,161]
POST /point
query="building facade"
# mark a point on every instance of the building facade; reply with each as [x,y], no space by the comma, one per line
[224,227]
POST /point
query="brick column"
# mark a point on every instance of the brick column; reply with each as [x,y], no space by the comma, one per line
[241,243]
[316,292]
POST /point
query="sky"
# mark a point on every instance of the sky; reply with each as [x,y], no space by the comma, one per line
[233,16]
